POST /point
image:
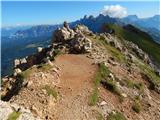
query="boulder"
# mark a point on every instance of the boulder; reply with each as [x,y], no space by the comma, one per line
[16,62]
[124,95]
[82,29]
[111,76]
[8,108]
[103,103]
[17,71]
[80,44]
[63,34]
[39,49]
[23,61]
[139,53]
[112,40]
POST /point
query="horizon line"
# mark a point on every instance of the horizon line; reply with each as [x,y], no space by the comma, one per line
[25,24]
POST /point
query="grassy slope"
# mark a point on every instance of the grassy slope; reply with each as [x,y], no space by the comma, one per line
[143,40]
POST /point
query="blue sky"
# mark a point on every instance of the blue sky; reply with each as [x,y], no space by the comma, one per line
[33,13]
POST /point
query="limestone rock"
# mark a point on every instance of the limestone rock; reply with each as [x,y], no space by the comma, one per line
[64,34]
[82,29]
[124,95]
[8,108]
[103,103]
[39,49]
[140,53]
[17,71]
[16,62]
[81,44]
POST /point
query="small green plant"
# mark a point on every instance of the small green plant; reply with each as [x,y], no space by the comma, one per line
[94,97]
[111,85]
[129,83]
[14,115]
[25,74]
[153,79]
[99,116]
[120,57]
[44,67]
[140,86]
[116,116]
[20,76]
[102,72]
[136,106]
[51,91]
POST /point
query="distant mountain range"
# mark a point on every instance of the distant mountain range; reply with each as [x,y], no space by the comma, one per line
[36,31]
[23,40]
[95,23]
[11,30]
[150,25]
[151,22]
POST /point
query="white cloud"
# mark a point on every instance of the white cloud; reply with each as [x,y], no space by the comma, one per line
[114,11]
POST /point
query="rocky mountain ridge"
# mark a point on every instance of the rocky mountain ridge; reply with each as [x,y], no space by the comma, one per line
[149,25]
[125,85]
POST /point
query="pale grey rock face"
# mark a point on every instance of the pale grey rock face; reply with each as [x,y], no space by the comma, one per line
[23,60]
[75,40]
[5,110]
[139,53]
[82,29]
[16,62]
[63,34]
[17,71]
[81,44]
[39,49]
[8,108]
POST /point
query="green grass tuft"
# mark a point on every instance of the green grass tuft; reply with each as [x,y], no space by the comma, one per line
[142,39]
[44,67]
[116,116]
[131,84]
[25,74]
[51,91]
[140,86]
[14,115]
[118,56]
[99,116]
[111,85]
[146,69]
[94,97]
[136,106]
[102,72]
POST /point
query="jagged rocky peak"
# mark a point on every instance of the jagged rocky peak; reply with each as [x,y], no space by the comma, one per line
[73,39]
[66,33]
[64,39]
[62,34]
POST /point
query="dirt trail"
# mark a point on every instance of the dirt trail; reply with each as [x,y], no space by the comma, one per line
[77,72]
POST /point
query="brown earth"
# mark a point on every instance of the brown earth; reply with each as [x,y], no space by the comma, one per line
[72,77]
[77,72]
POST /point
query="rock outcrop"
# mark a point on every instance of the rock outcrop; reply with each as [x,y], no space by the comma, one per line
[73,40]
[138,52]
[120,74]
[80,44]
[7,109]
[64,40]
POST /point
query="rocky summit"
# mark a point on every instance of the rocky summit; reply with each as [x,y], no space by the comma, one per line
[83,75]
